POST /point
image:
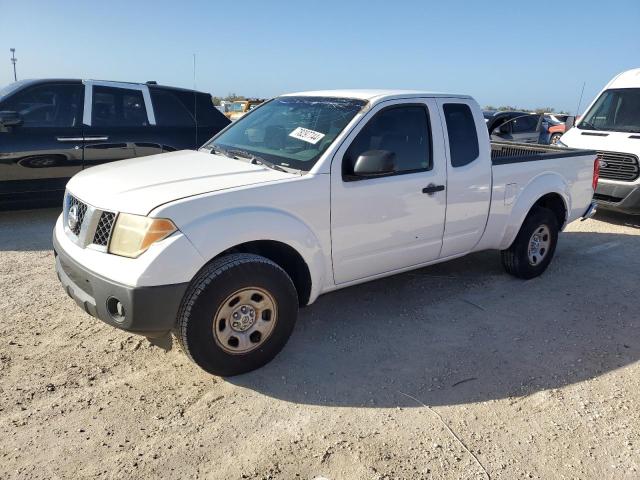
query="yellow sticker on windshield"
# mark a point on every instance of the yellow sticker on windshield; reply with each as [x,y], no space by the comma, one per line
[306,135]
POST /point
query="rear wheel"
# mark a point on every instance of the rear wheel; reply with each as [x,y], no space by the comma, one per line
[237,315]
[531,252]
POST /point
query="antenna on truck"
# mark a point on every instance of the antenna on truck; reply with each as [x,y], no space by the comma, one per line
[580,101]
[195,98]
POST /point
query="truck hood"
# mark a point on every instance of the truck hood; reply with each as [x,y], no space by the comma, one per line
[138,185]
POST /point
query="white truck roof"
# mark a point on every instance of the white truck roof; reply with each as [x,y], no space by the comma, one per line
[374,94]
[628,79]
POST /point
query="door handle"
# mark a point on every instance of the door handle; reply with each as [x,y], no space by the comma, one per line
[95,139]
[70,139]
[432,188]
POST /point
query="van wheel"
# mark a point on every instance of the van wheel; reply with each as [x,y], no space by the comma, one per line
[531,252]
[237,314]
[554,138]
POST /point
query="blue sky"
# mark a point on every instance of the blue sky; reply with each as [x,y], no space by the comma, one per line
[529,54]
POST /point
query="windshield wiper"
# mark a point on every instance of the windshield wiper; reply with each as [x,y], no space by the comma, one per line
[255,159]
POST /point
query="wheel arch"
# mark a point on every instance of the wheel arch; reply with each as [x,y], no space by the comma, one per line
[284,255]
[548,191]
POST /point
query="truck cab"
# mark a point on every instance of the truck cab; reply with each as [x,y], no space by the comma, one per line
[611,126]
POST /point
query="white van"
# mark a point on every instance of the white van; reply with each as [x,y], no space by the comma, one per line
[612,127]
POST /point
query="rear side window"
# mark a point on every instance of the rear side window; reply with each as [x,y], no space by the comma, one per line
[403,130]
[169,110]
[118,107]
[463,137]
[525,124]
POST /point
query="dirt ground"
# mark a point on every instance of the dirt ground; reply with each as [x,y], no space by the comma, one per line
[456,371]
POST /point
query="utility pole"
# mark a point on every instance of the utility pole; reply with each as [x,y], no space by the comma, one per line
[14,60]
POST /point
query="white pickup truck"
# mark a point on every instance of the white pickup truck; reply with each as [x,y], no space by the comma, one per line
[308,193]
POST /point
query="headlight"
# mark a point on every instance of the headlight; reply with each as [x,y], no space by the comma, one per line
[133,234]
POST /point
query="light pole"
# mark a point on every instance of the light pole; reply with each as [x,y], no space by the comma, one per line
[14,60]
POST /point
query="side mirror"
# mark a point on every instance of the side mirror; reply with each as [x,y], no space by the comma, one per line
[10,119]
[569,122]
[373,163]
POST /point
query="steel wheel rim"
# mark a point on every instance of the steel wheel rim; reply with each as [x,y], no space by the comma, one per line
[245,320]
[539,244]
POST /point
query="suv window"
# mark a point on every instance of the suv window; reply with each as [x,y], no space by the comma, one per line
[525,123]
[118,107]
[48,105]
[169,110]
[463,137]
[403,130]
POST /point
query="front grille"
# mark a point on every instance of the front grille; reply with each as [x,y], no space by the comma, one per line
[103,230]
[619,166]
[79,213]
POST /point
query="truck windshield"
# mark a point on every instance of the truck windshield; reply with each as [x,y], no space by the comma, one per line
[615,110]
[289,131]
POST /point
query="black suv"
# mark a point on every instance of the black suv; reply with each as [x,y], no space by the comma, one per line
[52,129]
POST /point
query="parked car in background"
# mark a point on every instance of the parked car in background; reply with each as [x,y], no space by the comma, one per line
[310,193]
[611,125]
[240,107]
[521,127]
[488,114]
[51,129]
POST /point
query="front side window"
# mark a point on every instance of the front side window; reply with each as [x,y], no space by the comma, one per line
[118,107]
[289,131]
[48,105]
[402,130]
[463,137]
[615,110]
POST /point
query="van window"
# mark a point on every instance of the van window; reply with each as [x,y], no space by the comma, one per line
[525,123]
[616,109]
[463,137]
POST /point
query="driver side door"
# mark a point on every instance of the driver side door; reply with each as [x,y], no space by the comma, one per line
[38,157]
[385,223]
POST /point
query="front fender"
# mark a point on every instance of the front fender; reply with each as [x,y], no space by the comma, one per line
[222,230]
[538,187]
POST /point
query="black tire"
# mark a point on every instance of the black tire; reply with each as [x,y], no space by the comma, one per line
[553,139]
[207,293]
[516,260]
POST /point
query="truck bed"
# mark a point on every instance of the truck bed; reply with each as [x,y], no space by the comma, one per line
[510,152]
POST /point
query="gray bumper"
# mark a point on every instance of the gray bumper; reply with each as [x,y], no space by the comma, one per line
[621,198]
[149,311]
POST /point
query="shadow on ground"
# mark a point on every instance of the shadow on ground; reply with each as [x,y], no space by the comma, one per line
[617,218]
[464,331]
[27,230]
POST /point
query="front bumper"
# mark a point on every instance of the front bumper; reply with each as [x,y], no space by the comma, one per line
[149,311]
[621,198]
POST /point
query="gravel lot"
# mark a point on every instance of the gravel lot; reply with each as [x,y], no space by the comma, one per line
[411,377]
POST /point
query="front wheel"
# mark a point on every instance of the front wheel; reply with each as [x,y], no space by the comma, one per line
[531,252]
[554,138]
[237,314]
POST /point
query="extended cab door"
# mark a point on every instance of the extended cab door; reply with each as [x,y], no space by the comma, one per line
[469,174]
[119,122]
[384,223]
[38,156]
